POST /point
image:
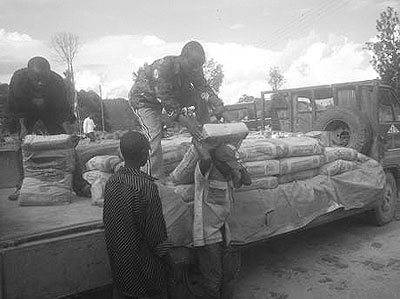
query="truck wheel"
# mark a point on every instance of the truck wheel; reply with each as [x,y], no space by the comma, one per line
[349,128]
[385,210]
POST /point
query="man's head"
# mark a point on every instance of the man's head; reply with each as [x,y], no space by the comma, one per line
[38,70]
[193,55]
[134,148]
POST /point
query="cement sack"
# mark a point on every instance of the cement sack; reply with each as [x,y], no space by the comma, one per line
[297,164]
[324,137]
[337,167]
[184,172]
[172,155]
[97,180]
[185,192]
[298,176]
[38,192]
[269,182]
[298,146]
[104,163]
[35,162]
[258,169]
[232,133]
[119,165]
[340,153]
[259,149]
[41,142]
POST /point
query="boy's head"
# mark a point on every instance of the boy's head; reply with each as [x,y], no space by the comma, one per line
[134,148]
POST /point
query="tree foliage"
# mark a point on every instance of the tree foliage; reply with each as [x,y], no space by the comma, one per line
[246,99]
[214,74]
[275,78]
[386,48]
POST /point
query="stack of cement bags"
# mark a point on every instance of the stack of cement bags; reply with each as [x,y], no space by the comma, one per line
[274,161]
[99,170]
[48,162]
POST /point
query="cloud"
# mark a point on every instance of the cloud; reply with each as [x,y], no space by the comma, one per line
[236,26]
[16,49]
[109,61]
[152,41]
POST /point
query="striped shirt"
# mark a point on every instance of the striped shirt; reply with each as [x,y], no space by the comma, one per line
[135,232]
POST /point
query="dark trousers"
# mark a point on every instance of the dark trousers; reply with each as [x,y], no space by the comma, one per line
[219,266]
[53,126]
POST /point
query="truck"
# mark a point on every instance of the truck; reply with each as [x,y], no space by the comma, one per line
[59,251]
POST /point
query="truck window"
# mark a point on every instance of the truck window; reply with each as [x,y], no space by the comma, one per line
[304,104]
[324,104]
[347,97]
[385,106]
[396,108]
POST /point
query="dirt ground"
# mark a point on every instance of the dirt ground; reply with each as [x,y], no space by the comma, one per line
[349,258]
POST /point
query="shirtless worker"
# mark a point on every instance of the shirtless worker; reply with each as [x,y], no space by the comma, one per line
[37,93]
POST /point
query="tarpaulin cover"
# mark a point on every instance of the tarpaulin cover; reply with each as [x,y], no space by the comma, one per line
[260,214]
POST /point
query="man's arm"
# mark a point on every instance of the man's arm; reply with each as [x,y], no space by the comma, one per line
[156,230]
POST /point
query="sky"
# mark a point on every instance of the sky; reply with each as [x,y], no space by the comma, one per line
[312,42]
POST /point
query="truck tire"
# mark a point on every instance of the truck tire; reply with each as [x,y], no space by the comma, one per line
[384,212]
[350,128]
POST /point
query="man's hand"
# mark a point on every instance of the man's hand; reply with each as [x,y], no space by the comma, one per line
[192,127]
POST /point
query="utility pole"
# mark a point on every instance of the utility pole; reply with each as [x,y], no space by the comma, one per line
[102,109]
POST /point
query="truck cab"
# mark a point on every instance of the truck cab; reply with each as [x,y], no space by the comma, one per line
[364,115]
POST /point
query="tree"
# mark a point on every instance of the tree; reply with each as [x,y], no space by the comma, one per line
[246,99]
[386,50]
[275,78]
[214,74]
[66,46]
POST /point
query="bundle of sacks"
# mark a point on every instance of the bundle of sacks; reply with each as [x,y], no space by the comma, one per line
[274,161]
[48,162]
[98,170]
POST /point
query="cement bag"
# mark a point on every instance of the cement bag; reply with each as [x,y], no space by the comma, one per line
[185,192]
[35,162]
[269,182]
[324,137]
[38,192]
[118,166]
[97,180]
[232,133]
[340,153]
[296,164]
[263,168]
[337,167]
[172,155]
[104,163]
[41,142]
[367,161]
[298,176]
[184,172]
[299,146]
[260,149]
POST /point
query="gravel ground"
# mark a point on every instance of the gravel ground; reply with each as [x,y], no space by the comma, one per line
[345,259]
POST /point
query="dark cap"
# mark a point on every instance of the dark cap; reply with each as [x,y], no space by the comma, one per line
[133,145]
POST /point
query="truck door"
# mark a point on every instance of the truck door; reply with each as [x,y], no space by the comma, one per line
[389,124]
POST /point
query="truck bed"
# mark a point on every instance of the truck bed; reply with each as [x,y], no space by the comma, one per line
[20,224]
